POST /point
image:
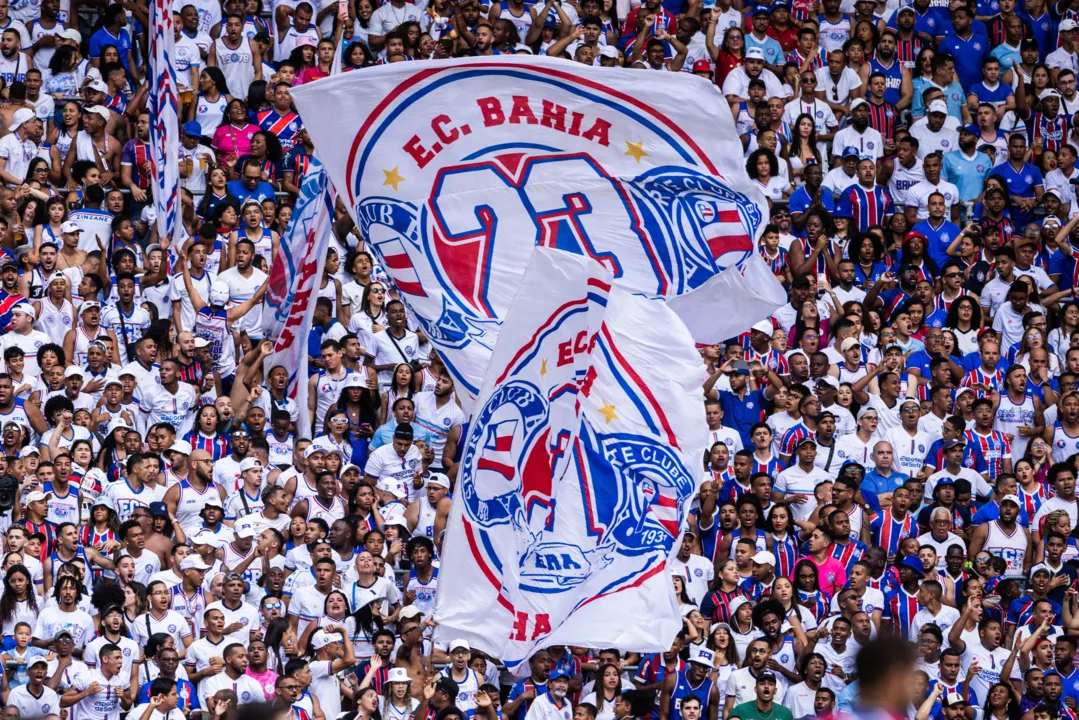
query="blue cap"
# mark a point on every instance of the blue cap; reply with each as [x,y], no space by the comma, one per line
[192,127]
[841,212]
[849,151]
[914,564]
[558,673]
[945,481]
[779,4]
[159,508]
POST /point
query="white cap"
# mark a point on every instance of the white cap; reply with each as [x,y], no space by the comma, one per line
[398,674]
[99,110]
[73,371]
[355,380]
[35,496]
[213,501]
[609,51]
[28,451]
[201,342]
[219,293]
[118,421]
[70,226]
[321,639]
[350,466]
[25,308]
[408,612]
[98,86]
[205,537]
[764,327]
[703,656]
[21,115]
[764,558]
[848,344]
[180,446]
[856,103]
[754,53]
[437,478]
[89,305]
[1011,498]
[194,562]
[250,463]
[245,530]
[938,106]
[1048,93]
[112,379]
[459,643]
[1066,25]
[72,34]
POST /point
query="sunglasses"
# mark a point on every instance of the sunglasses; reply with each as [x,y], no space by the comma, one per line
[951,275]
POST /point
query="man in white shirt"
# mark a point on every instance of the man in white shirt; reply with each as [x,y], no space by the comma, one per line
[935,135]
[333,654]
[696,571]
[394,468]
[736,86]
[858,135]
[801,480]
[552,705]
[241,618]
[233,677]
[917,205]
[34,700]
[18,147]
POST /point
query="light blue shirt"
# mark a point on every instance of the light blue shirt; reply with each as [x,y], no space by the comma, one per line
[967,173]
[773,51]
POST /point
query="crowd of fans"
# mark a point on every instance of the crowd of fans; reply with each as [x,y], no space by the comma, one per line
[888,519]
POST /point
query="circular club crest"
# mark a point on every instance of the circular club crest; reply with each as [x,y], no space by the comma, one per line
[458,179]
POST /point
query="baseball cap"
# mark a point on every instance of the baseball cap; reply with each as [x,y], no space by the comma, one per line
[192,127]
[702,66]
[764,327]
[250,463]
[219,293]
[321,639]
[194,562]
[25,308]
[703,656]
[955,442]
[609,51]
[180,446]
[558,673]
[754,53]
[21,115]
[159,509]
[1011,499]
[459,644]
[953,699]
[764,558]
[938,106]
[829,381]
[850,151]
[99,110]
[89,305]
[848,344]
[409,612]
[28,451]
[36,496]
[205,537]
[439,479]
[905,8]
[910,401]
[1066,25]
[201,342]
[767,675]
[1049,93]
[213,502]
[72,34]
[858,102]
[354,380]
[73,371]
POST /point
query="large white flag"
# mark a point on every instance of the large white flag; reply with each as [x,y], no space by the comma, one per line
[454,170]
[581,460]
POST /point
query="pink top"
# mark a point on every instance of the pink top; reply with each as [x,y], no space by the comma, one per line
[832,574]
[233,142]
[266,681]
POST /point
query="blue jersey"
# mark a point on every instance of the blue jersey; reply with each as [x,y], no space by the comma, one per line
[743,413]
[994,96]
[887,532]
[801,200]
[937,239]
[900,607]
[968,55]
[968,174]
[866,207]
[1021,183]
[683,689]
[893,76]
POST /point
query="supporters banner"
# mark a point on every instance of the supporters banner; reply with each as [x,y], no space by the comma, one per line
[455,170]
[293,287]
[164,122]
[581,460]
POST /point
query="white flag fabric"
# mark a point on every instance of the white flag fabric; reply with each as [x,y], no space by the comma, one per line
[579,466]
[455,170]
[293,287]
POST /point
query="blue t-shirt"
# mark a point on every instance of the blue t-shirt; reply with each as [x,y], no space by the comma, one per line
[742,414]
[966,173]
[262,191]
[968,55]
[103,37]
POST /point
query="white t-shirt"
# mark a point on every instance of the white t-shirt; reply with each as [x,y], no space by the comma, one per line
[388,17]
[105,703]
[325,687]
[247,688]
[247,615]
[33,708]
[51,621]
[918,196]
[308,605]
[393,472]
[387,352]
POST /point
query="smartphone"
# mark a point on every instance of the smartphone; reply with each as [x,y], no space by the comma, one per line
[365,427]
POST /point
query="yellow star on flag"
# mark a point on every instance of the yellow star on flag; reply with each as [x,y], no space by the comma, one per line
[543,367]
[607,411]
[393,178]
[635,150]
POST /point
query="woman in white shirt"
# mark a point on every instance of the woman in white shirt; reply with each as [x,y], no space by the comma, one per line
[608,688]
[763,167]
